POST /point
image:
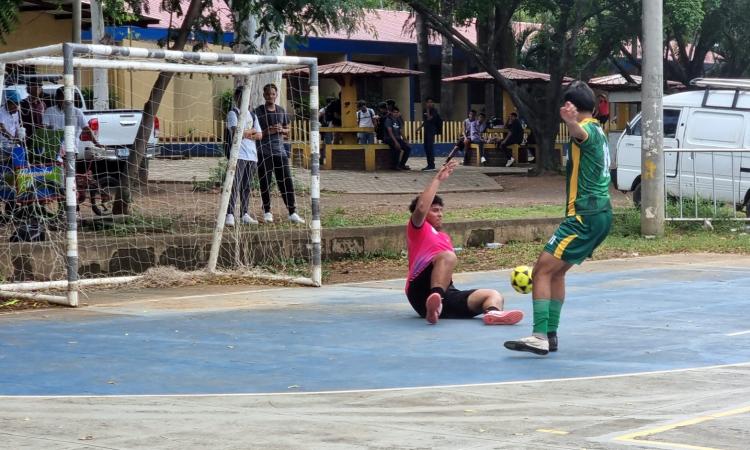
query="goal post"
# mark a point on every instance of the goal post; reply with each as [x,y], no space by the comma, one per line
[278,248]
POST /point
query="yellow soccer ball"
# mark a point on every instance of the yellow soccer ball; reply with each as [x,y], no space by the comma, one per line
[520,279]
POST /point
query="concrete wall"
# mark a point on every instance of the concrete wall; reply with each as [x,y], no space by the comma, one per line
[41,261]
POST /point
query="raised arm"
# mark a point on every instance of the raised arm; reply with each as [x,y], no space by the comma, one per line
[569,115]
[425,199]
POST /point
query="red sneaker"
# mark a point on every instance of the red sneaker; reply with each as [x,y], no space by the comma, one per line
[434,306]
[502,317]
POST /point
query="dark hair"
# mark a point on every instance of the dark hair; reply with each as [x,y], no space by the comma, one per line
[270,86]
[435,201]
[473,111]
[429,99]
[395,108]
[60,93]
[390,102]
[482,114]
[361,103]
[514,114]
[383,105]
[580,95]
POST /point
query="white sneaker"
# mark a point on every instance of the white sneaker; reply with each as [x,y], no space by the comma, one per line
[268,217]
[247,219]
[483,160]
[229,221]
[295,218]
[531,344]
[510,162]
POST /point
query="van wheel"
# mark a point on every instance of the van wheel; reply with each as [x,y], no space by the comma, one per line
[637,196]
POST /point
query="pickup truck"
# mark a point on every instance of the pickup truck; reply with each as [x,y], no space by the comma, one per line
[115,129]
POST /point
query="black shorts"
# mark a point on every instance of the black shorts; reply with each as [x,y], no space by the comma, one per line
[455,302]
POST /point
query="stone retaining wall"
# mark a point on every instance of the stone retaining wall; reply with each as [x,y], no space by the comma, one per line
[40,261]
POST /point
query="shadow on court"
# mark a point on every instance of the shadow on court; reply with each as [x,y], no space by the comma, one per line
[654,353]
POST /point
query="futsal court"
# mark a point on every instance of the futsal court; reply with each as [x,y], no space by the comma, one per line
[654,353]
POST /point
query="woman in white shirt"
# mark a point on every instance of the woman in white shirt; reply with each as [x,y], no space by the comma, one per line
[247,161]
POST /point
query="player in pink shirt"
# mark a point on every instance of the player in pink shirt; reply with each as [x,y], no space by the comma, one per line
[429,286]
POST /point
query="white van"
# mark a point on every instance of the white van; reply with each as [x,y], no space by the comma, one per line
[710,119]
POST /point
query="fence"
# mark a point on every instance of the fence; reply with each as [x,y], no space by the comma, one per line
[706,184]
[452,130]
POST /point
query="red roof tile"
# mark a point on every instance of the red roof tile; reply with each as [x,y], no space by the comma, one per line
[618,81]
[354,68]
[509,73]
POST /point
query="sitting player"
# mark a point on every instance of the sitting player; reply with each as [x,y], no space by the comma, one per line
[429,286]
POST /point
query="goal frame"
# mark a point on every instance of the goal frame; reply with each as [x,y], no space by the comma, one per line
[70,56]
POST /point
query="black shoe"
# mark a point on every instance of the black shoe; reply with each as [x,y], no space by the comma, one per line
[429,169]
[552,339]
[404,167]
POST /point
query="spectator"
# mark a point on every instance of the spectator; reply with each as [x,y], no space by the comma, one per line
[390,104]
[32,109]
[327,137]
[273,159]
[393,137]
[514,137]
[602,109]
[433,126]
[247,160]
[463,140]
[365,119]
[54,118]
[476,129]
[10,121]
[380,124]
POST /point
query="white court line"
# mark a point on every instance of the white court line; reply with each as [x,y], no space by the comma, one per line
[738,333]
[400,389]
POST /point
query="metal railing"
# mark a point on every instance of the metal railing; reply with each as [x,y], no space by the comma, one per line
[691,180]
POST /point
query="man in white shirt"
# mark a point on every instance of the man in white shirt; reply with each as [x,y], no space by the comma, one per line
[9,121]
[54,118]
[247,160]
[365,119]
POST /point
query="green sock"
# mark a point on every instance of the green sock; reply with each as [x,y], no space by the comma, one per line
[555,306]
[541,316]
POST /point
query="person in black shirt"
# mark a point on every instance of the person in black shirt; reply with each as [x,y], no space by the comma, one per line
[514,137]
[433,125]
[273,159]
[393,137]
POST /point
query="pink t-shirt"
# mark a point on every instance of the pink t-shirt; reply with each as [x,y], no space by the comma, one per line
[422,244]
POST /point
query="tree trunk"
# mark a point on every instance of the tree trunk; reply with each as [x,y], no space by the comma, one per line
[137,173]
[423,57]
[446,66]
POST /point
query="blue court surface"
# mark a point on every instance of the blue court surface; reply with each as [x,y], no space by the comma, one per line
[628,318]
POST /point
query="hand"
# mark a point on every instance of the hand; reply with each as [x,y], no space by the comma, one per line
[446,170]
[569,113]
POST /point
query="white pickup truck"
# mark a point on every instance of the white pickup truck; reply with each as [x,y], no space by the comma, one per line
[115,129]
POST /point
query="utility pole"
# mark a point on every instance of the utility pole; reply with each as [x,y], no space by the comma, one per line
[652,135]
[101,85]
[77,34]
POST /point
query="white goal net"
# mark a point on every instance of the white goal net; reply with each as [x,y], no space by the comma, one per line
[123,160]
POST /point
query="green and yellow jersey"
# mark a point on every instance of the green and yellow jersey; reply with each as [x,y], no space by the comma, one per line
[588,172]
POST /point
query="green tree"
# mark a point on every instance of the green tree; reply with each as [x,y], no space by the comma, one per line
[565,21]
[8,17]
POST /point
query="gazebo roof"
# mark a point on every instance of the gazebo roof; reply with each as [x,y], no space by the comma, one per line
[615,81]
[356,69]
[509,73]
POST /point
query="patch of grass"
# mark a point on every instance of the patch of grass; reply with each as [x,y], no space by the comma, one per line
[340,217]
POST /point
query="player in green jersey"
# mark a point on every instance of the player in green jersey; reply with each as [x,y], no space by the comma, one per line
[588,216]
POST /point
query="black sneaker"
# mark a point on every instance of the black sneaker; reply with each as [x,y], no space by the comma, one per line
[552,340]
[429,169]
